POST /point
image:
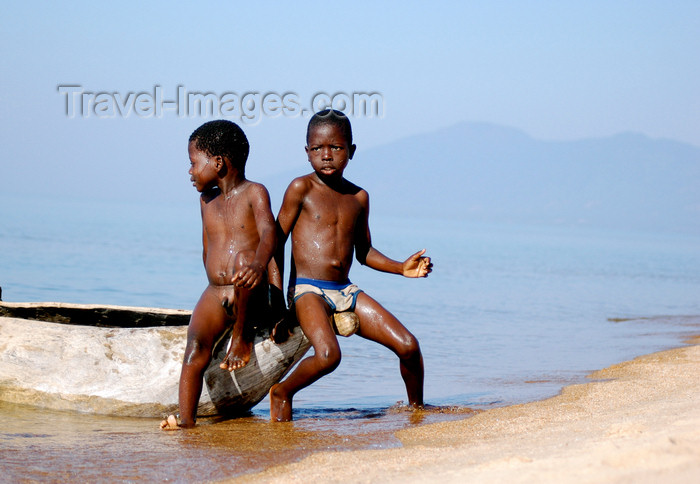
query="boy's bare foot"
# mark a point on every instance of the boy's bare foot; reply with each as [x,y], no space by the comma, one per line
[170,423]
[238,355]
[280,405]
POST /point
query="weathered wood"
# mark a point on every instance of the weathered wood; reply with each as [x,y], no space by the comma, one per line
[121,367]
[96,315]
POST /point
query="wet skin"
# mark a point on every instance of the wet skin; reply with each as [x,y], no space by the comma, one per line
[239,239]
[327,217]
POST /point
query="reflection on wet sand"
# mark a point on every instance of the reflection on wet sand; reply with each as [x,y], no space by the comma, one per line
[36,444]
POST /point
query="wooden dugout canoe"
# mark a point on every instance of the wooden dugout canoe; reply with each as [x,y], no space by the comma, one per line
[125,361]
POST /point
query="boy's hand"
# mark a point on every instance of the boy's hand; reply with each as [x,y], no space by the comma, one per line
[249,276]
[417,265]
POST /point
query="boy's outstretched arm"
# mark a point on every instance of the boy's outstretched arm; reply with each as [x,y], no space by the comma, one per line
[415,266]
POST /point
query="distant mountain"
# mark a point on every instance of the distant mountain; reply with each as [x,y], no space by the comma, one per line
[487,172]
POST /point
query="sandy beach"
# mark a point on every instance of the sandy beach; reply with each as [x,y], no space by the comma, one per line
[635,422]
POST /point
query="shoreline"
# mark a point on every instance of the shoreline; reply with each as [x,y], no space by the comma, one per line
[636,421]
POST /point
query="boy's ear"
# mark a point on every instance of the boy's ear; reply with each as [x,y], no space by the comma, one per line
[351,151]
[219,162]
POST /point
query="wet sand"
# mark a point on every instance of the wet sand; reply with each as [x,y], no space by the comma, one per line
[635,422]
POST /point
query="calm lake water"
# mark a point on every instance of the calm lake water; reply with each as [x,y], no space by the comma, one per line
[510,314]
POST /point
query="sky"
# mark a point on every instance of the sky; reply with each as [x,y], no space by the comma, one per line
[82,82]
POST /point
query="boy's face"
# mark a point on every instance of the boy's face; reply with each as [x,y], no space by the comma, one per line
[203,168]
[328,150]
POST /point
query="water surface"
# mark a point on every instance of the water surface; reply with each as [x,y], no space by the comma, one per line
[510,314]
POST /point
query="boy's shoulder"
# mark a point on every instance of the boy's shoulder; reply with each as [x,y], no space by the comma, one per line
[350,187]
[307,182]
[301,184]
[303,179]
[257,186]
[256,193]
[252,189]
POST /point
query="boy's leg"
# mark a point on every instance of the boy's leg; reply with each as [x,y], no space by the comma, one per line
[207,323]
[238,354]
[313,314]
[378,324]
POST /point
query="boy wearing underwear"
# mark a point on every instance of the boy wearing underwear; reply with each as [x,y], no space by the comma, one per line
[239,240]
[327,217]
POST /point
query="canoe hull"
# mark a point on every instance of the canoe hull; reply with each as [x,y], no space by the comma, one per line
[127,371]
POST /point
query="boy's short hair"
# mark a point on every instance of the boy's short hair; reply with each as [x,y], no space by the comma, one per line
[333,117]
[222,138]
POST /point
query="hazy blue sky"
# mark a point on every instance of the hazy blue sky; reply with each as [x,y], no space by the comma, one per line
[555,69]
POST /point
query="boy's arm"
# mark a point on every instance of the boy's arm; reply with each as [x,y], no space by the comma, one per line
[274,278]
[251,276]
[287,217]
[415,266]
[204,232]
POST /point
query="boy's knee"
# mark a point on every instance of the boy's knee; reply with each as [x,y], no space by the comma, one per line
[409,348]
[196,354]
[328,359]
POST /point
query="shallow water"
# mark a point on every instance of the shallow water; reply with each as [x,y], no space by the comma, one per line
[510,314]
[50,446]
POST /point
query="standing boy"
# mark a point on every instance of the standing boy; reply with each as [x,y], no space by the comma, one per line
[328,218]
[239,239]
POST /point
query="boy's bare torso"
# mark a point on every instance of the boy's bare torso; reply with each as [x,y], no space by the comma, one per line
[229,227]
[325,231]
